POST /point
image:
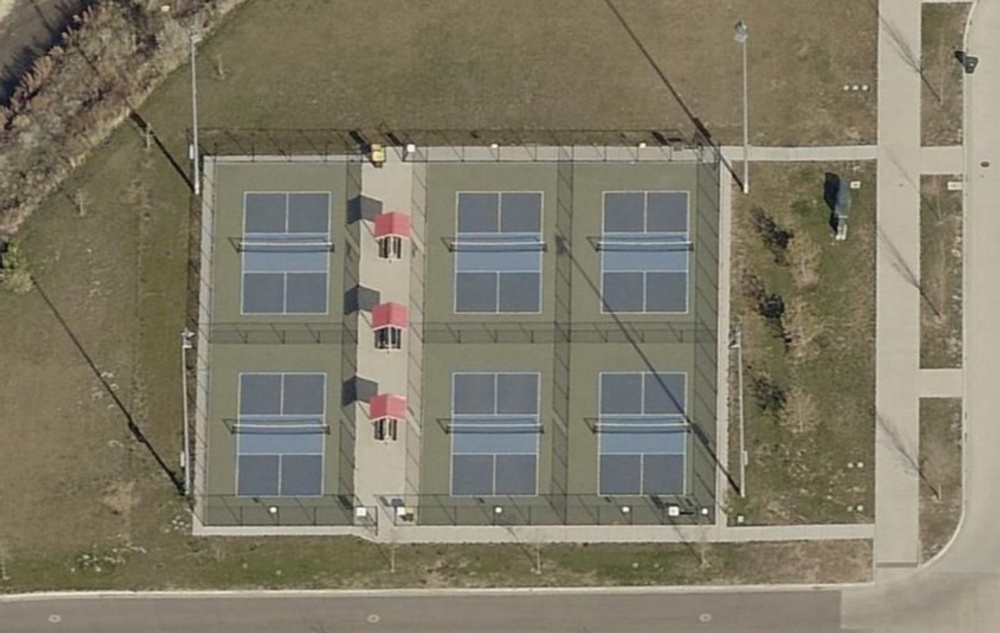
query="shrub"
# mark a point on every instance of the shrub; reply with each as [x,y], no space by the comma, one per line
[15,274]
[768,394]
[775,237]
[109,60]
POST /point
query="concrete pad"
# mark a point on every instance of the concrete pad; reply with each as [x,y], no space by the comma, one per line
[942,160]
[941,383]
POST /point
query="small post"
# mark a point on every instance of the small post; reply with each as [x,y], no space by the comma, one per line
[220,70]
[4,576]
[81,203]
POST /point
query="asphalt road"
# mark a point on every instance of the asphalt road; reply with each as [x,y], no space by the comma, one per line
[808,611]
[960,592]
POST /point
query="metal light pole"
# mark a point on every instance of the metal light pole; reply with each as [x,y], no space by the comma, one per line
[194,37]
[740,34]
[187,338]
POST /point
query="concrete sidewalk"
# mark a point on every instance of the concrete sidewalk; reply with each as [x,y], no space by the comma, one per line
[801,154]
[941,383]
[942,160]
[897,341]
[691,534]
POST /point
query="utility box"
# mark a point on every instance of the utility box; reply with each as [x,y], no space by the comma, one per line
[842,209]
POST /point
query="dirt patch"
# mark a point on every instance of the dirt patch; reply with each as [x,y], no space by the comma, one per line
[121,499]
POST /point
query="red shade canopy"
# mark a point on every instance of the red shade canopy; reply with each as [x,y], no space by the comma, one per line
[392,224]
[390,315]
[387,405]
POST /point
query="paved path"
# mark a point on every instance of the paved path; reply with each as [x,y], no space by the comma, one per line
[522,612]
[897,337]
[725,355]
[942,160]
[633,534]
[958,593]
[801,154]
[941,383]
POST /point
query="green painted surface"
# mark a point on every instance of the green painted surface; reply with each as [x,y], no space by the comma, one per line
[569,343]
[282,343]
[569,365]
[232,181]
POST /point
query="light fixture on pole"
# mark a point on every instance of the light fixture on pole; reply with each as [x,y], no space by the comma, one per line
[740,34]
[194,37]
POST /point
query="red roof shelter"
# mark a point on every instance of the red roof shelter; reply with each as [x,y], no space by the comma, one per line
[392,224]
[387,405]
[390,314]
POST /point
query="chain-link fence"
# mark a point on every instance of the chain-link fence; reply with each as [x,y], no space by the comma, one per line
[462,144]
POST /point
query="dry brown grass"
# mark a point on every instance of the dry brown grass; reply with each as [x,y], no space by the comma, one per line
[801,413]
[943,28]
[118,275]
[803,330]
[107,63]
[941,237]
[803,258]
[941,472]
[823,358]
[487,71]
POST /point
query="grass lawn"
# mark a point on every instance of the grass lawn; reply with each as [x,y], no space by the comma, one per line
[76,480]
[809,367]
[940,273]
[942,32]
[563,64]
[941,472]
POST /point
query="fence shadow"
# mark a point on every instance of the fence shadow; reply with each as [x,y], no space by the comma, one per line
[175,478]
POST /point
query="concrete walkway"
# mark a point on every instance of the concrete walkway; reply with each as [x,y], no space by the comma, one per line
[942,160]
[693,534]
[801,154]
[897,339]
[723,414]
[941,383]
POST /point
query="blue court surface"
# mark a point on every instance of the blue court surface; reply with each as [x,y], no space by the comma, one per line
[495,433]
[281,434]
[643,433]
[286,253]
[498,244]
[645,252]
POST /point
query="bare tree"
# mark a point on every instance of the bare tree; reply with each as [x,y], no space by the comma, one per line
[908,274]
[81,203]
[907,454]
